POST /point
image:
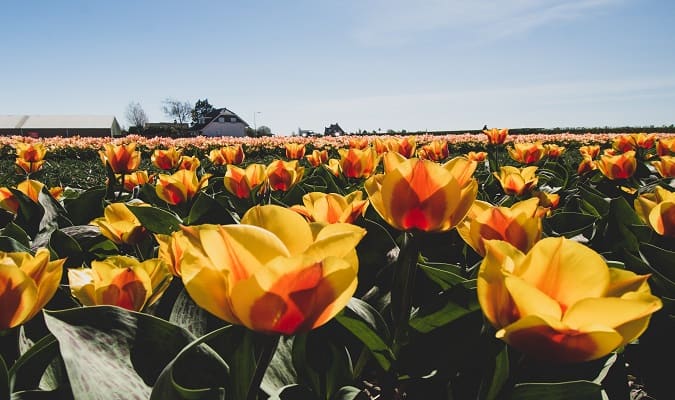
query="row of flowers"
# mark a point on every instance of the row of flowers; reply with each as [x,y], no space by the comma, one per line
[279,247]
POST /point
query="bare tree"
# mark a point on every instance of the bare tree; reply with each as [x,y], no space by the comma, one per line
[179,111]
[135,115]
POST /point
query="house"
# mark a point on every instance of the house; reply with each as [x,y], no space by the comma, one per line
[220,122]
[333,130]
[60,125]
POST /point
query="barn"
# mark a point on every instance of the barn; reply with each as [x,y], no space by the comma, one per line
[60,125]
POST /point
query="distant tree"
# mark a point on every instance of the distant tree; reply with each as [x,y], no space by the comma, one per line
[202,107]
[179,111]
[135,115]
[263,131]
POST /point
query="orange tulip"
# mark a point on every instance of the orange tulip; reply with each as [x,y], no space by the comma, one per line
[406,146]
[527,153]
[621,166]
[553,150]
[382,146]
[317,157]
[643,140]
[496,136]
[478,156]
[30,152]
[28,167]
[190,163]
[518,225]
[436,150]
[421,194]
[548,200]
[8,201]
[166,160]
[295,151]
[333,167]
[666,146]
[591,150]
[624,143]
[120,281]
[120,225]
[657,209]
[172,249]
[356,163]
[241,182]
[330,208]
[273,272]
[136,178]
[56,192]
[27,283]
[358,143]
[122,159]
[31,188]
[560,302]
[180,187]
[227,155]
[515,181]
[282,175]
[586,165]
[665,166]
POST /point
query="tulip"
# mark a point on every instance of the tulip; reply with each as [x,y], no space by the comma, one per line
[227,155]
[560,302]
[274,272]
[553,150]
[136,178]
[8,201]
[356,163]
[643,140]
[122,159]
[241,182]
[436,150]
[495,135]
[120,225]
[31,188]
[547,200]
[56,192]
[515,181]
[27,283]
[423,195]
[406,146]
[624,143]
[591,150]
[518,225]
[166,160]
[28,167]
[478,156]
[282,175]
[333,167]
[665,166]
[586,165]
[190,163]
[295,151]
[180,187]
[317,157]
[665,146]
[527,153]
[621,166]
[120,281]
[657,209]
[382,146]
[30,152]
[329,208]
[358,143]
[172,248]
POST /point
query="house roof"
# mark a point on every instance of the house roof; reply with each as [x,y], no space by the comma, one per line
[56,121]
[212,115]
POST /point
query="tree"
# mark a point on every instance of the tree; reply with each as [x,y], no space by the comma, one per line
[264,131]
[179,111]
[201,109]
[135,115]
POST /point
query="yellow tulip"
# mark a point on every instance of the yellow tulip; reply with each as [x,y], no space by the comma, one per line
[295,151]
[436,150]
[553,150]
[227,155]
[241,182]
[31,188]
[136,178]
[317,157]
[624,143]
[495,135]
[665,146]
[180,187]
[122,159]
[28,167]
[476,156]
[120,225]
[27,283]
[30,152]
[8,201]
[166,160]
[527,153]
[330,208]
[282,175]
[590,150]
[274,272]
[358,143]
[665,166]
[423,195]
[657,209]
[517,181]
[120,281]
[560,302]
[357,163]
[519,225]
[621,166]
[190,163]
[586,165]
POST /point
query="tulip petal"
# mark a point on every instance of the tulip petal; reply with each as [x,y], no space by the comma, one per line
[286,224]
[623,281]
[45,274]
[18,297]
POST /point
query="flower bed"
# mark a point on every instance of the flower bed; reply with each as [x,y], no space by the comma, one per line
[466,266]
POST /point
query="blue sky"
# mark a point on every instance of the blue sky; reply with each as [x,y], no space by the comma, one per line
[378,64]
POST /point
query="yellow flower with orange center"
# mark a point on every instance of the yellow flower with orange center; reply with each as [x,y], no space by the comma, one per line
[295,151]
[8,201]
[241,182]
[274,272]
[120,225]
[358,143]
[226,155]
[436,150]
[553,150]
[423,195]
[120,281]
[166,160]
[478,156]
[356,163]
[333,167]
[30,152]
[180,187]
[591,151]
[657,209]
[586,165]
[136,178]
[527,153]
[189,162]
[560,302]
[28,167]
[317,157]
[122,159]
[624,143]
[643,140]
[330,208]
[496,135]
[516,181]
[665,166]
[282,175]
[519,225]
[31,188]
[621,166]
[665,146]
[406,146]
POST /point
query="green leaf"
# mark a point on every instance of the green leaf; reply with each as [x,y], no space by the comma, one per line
[347,393]
[61,394]
[207,210]
[65,246]
[371,339]
[15,232]
[595,199]
[500,374]
[445,275]
[188,315]
[368,314]
[577,390]
[86,207]
[569,224]
[29,214]
[450,312]
[103,346]
[27,371]
[12,245]
[294,392]
[322,365]
[660,262]
[4,380]
[280,372]
[156,220]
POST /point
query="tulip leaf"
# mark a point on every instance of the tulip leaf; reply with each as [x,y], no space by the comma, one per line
[15,232]
[451,311]
[280,372]
[371,339]
[594,201]
[294,392]
[29,214]
[65,246]
[4,380]
[321,364]
[577,390]
[500,374]
[445,275]
[660,262]
[207,210]
[103,346]
[347,393]
[569,224]
[156,220]
[86,207]
[369,315]
[188,315]
[12,245]
[61,394]
[28,369]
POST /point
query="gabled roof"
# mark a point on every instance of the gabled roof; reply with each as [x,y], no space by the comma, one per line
[212,115]
[56,121]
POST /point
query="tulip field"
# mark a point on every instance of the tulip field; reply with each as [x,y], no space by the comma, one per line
[489,266]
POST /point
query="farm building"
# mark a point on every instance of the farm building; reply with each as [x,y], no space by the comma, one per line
[220,122]
[59,125]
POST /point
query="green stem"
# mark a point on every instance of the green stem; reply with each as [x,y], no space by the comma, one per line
[402,290]
[269,348]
